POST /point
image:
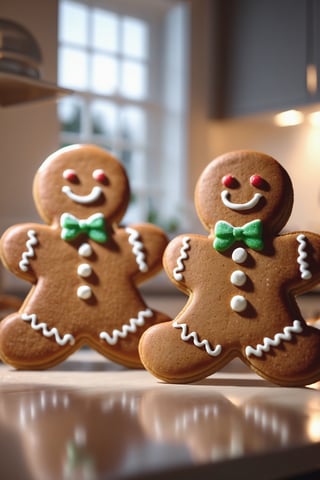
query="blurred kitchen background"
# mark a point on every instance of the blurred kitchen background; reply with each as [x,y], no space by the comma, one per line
[167,85]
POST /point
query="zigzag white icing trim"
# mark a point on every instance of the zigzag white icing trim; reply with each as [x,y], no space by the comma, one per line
[126,329]
[137,248]
[29,253]
[275,341]
[305,272]
[67,338]
[183,256]
[185,336]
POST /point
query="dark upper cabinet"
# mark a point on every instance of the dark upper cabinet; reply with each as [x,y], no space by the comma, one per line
[263,49]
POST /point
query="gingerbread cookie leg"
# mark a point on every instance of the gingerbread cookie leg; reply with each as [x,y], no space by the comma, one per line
[272,358]
[27,332]
[176,355]
[121,344]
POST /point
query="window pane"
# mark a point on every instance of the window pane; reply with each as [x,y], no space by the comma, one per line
[104,116]
[137,210]
[135,38]
[105,30]
[133,80]
[69,112]
[137,169]
[133,124]
[104,74]
[73,68]
[134,162]
[73,22]
[126,159]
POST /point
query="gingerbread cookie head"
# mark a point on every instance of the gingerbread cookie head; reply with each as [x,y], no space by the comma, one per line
[81,180]
[242,186]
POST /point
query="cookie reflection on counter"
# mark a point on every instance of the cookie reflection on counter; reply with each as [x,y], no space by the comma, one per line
[62,434]
[70,436]
[214,428]
[207,423]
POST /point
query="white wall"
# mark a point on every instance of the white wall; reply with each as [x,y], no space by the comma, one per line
[28,132]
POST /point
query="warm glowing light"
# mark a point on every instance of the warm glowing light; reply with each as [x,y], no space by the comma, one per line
[288,118]
[313,427]
[314,119]
[312,78]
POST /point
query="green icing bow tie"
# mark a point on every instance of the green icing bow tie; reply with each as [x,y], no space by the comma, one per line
[226,235]
[93,226]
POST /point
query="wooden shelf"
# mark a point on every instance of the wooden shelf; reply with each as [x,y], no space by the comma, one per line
[16,89]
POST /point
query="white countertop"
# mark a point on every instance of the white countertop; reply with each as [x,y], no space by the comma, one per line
[91,419]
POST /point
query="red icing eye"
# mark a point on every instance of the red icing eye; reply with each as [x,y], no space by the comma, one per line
[99,175]
[229,181]
[70,175]
[256,181]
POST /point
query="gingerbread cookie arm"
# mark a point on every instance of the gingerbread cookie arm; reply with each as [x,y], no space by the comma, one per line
[18,248]
[301,258]
[147,244]
[182,259]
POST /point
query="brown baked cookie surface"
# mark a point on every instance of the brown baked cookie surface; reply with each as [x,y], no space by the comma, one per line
[241,279]
[84,268]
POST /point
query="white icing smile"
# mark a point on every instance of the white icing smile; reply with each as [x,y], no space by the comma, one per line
[84,199]
[240,206]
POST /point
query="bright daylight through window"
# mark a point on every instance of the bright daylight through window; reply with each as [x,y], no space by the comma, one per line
[126,62]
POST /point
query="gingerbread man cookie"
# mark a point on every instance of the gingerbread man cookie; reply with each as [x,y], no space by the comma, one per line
[84,268]
[241,280]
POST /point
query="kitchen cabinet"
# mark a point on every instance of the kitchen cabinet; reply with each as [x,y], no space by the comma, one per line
[265,47]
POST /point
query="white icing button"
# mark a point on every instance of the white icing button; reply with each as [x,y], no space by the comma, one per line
[238,303]
[239,255]
[238,278]
[84,292]
[84,270]
[85,250]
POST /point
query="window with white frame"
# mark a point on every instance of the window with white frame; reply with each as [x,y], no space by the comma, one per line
[126,62]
